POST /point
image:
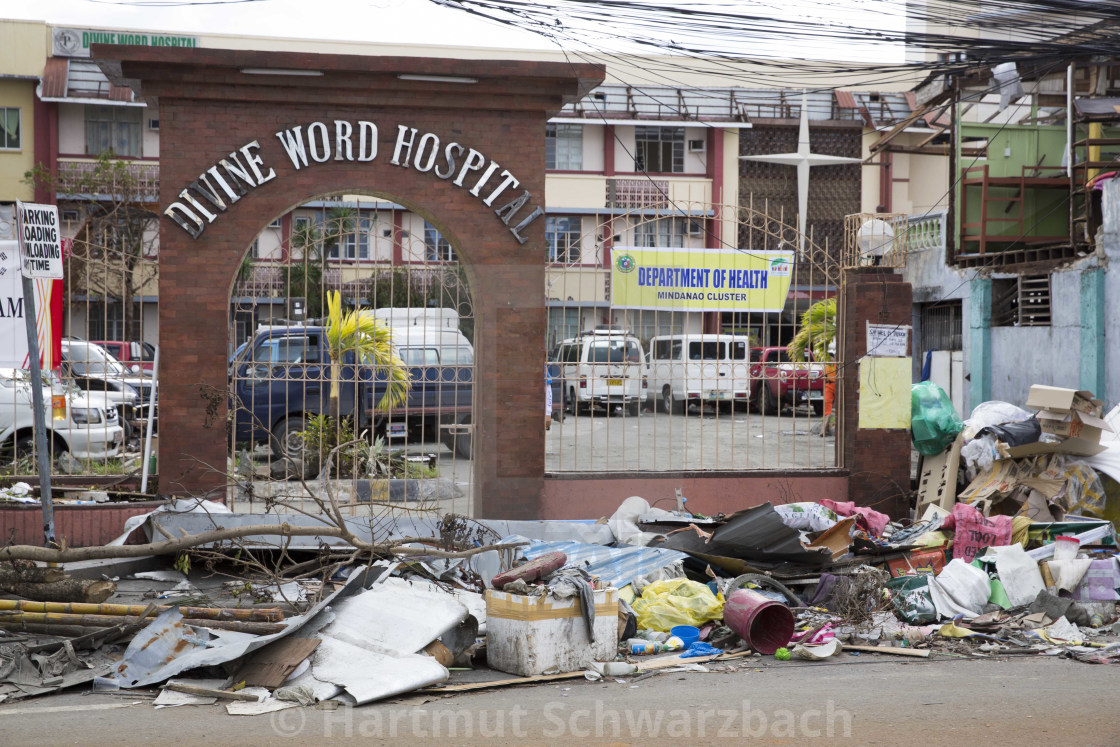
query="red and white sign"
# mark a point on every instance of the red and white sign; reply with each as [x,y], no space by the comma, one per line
[13,330]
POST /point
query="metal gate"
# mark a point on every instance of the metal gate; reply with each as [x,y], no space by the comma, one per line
[670,390]
[364,405]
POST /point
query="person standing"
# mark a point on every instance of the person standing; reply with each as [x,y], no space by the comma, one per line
[547,398]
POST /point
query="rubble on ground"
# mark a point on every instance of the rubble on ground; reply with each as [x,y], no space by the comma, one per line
[1009,552]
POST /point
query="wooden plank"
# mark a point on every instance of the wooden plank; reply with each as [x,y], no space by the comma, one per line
[271,666]
[922,653]
[653,664]
[210,693]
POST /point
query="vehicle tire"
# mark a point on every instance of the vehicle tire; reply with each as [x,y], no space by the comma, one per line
[770,404]
[818,409]
[574,401]
[286,441]
[21,448]
[633,409]
[128,431]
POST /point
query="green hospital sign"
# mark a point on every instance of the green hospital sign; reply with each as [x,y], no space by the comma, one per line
[76,42]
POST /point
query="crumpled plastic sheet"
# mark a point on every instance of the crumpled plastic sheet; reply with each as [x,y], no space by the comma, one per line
[992,413]
[960,589]
[665,604]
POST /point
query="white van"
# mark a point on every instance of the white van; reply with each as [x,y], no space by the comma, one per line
[696,369]
[604,367]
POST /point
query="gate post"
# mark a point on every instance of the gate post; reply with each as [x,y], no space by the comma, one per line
[877,459]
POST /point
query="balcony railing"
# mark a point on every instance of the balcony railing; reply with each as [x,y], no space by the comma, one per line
[76,179]
[636,194]
[927,231]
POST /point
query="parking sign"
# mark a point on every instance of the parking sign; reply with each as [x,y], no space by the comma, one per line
[40,240]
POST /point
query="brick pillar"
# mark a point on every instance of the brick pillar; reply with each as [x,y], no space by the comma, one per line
[877,459]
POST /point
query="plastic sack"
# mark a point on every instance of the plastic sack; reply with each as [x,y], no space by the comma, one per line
[973,532]
[676,601]
[1015,434]
[808,516]
[1084,490]
[960,589]
[933,421]
[993,412]
[979,453]
[911,600]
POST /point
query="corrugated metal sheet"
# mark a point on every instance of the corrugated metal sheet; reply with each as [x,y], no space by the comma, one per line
[54,78]
[616,566]
[754,535]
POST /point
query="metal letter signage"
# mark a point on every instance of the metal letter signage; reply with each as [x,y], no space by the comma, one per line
[227,181]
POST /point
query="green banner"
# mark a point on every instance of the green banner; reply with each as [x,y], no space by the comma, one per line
[699,279]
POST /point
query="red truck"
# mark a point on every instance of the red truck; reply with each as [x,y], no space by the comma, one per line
[781,383]
[131,354]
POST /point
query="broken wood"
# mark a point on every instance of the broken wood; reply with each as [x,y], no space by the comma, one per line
[30,574]
[207,692]
[919,652]
[66,590]
[270,614]
[271,666]
[13,619]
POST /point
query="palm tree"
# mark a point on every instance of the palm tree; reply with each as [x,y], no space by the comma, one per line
[371,341]
[817,332]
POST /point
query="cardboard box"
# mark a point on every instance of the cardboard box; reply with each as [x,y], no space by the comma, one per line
[937,483]
[1056,398]
[531,635]
[1075,446]
[1072,424]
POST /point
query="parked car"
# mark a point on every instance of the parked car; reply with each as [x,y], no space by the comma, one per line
[75,423]
[283,376]
[90,368]
[699,369]
[604,367]
[780,382]
[136,356]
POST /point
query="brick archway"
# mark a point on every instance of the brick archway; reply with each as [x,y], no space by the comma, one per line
[223,105]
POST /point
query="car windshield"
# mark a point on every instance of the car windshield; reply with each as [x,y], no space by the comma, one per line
[86,359]
[614,351]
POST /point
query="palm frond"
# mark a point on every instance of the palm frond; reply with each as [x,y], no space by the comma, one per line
[816,332]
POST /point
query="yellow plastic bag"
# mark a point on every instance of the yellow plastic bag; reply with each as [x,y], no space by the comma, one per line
[676,601]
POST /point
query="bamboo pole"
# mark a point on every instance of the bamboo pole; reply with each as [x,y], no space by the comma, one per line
[14,619]
[270,615]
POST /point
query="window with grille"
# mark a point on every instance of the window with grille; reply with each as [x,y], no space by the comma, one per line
[562,235]
[115,129]
[669,232]
[659,150]
[1022,301]
[563,147]
[941,326]
[437,248]
[9,128]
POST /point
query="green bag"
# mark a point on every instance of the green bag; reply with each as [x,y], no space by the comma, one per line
[933,421]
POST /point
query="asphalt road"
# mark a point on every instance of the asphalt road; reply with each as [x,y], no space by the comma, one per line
[865,700]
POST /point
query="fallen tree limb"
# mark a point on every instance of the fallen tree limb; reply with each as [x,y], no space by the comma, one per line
[210,693]
[187,542]
[66,590]
[31,574]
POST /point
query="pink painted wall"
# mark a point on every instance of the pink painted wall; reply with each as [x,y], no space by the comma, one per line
[595,496]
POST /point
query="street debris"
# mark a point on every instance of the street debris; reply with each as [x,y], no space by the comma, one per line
[1008,551]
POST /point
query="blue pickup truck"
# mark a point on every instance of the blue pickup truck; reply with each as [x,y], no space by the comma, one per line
[283,376]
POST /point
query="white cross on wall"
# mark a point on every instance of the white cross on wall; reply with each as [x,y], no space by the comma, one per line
[803,160]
